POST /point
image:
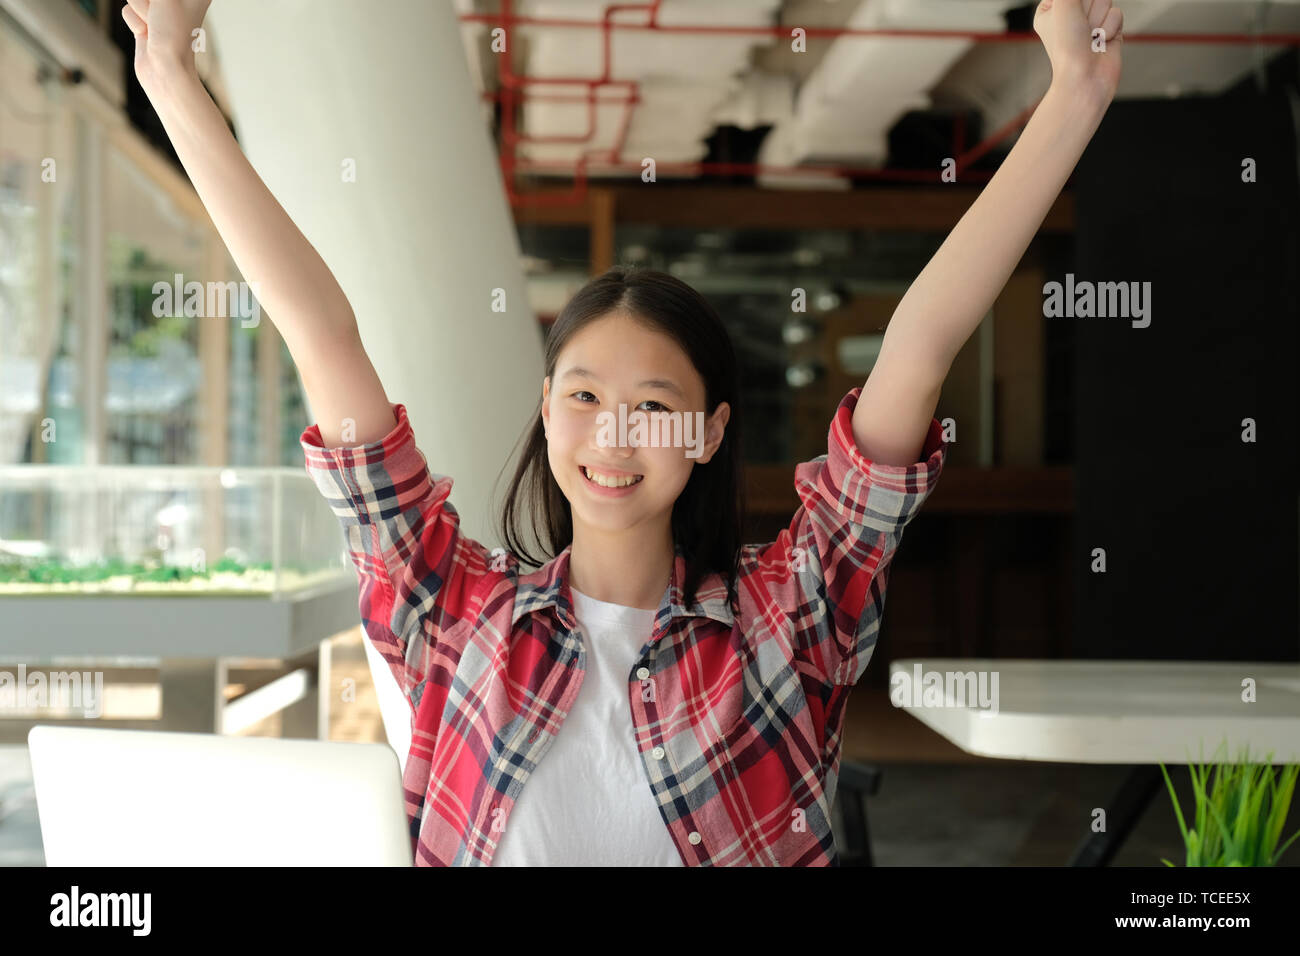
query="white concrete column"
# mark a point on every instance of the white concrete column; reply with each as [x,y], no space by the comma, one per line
[420,242]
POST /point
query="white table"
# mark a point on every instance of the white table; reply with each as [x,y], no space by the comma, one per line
[196,641]
[1141,713]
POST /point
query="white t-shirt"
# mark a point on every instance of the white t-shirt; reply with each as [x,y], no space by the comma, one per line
[589,803]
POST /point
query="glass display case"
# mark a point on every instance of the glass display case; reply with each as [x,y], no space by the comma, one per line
[173,531]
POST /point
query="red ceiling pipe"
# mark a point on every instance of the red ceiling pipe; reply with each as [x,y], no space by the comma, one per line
[511,83]
[783,31]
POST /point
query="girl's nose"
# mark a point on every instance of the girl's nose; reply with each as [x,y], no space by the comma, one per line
[612,445]
[614,436]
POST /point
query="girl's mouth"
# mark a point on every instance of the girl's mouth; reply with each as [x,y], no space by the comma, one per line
[609,484]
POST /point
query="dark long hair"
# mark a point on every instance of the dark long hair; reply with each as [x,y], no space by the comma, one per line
[708,515]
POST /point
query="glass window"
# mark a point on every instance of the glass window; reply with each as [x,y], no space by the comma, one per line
[153,253]
[243,446]
[149,394]
[38,196]
[293,410]
[65,400]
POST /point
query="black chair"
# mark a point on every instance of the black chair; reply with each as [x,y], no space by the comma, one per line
[852,835]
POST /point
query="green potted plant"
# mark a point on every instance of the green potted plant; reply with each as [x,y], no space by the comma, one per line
[1239,814]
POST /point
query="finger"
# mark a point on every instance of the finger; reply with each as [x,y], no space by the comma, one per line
[1114,24]
[140,8]
[1097,14]
[133,21]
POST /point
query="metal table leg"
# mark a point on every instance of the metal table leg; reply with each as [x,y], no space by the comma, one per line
[1123,811]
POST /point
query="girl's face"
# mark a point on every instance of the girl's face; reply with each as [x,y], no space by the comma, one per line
[611,361]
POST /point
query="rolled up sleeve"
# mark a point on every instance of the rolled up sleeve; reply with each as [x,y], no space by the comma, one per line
[401,532]
[841,541]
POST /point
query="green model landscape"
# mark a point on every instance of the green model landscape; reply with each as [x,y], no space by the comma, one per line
[19,575]
[56,572]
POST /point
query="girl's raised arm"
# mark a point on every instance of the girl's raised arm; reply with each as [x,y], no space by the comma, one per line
[945,304]
[290,279]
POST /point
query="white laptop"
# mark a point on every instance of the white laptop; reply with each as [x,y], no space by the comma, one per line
[153,798]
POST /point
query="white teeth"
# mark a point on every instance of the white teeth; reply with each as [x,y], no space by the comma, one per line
[606,482]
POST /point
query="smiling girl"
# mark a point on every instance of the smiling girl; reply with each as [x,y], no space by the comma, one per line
[656,692]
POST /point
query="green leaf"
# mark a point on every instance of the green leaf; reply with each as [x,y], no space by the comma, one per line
[1182,826]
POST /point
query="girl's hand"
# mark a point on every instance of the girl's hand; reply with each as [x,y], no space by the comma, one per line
[164,37]
[1066,28]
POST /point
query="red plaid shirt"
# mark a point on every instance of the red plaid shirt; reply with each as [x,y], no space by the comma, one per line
[738,716]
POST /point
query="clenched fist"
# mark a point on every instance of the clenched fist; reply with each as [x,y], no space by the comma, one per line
[1083,41]
[164,37]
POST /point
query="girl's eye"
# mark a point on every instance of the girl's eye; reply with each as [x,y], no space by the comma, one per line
[649,401]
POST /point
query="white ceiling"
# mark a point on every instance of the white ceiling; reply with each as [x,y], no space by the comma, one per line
[836,102]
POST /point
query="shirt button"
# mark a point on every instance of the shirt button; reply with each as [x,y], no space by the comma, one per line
[642,673]
[658,753]
[694,838]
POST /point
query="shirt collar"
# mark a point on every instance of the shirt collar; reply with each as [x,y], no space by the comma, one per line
[548,586]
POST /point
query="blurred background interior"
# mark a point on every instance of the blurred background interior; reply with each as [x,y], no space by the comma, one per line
[775,170]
